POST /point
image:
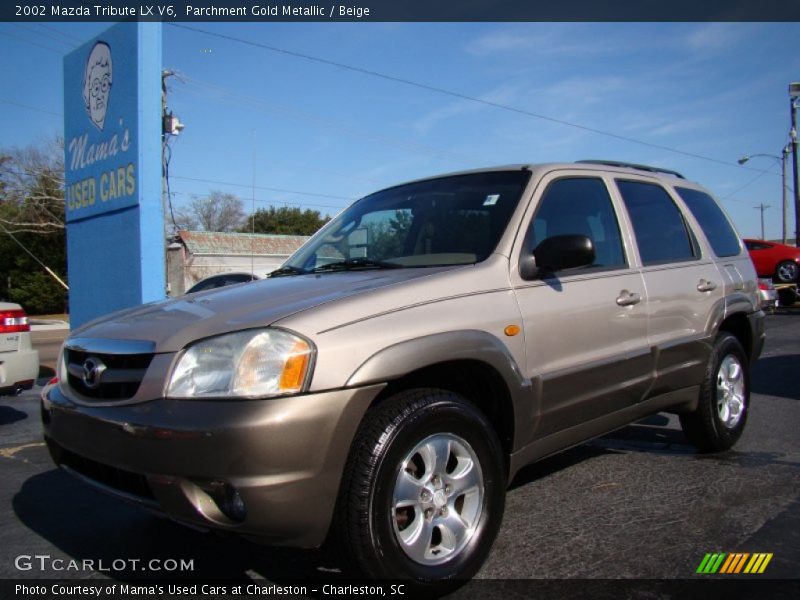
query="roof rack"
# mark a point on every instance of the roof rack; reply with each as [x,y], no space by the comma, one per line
[615,163]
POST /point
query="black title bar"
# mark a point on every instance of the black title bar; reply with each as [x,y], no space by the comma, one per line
[398,10]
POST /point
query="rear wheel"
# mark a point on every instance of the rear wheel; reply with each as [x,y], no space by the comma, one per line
[787,271]
[423,494]
[721,413]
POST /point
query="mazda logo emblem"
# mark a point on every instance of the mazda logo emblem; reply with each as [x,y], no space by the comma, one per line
[93,369]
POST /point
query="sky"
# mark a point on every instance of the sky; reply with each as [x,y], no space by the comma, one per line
[698,96]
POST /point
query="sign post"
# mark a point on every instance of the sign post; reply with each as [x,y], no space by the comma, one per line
[112,146]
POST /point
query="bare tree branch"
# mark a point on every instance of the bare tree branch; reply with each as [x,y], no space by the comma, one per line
[216,212]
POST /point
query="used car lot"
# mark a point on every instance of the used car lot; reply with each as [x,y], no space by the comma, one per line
[637,503]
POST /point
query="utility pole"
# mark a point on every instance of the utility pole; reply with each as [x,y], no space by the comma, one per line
[762,207]
[794,93]
[785,184]
[783,159]
[170,126]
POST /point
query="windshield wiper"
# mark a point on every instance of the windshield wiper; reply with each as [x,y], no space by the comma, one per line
[356,263]
[287,270]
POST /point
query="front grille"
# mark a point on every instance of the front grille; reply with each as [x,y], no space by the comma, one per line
[118,479]
[119,380]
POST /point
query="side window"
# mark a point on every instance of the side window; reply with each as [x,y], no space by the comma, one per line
[661,232]
[582,206]
[722,237]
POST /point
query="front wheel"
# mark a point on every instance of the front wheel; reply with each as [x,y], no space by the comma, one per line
[787,271]
[721,414]
[423,494]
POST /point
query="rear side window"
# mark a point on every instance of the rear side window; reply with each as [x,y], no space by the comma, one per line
[715,225]
[580,206]
[661,232]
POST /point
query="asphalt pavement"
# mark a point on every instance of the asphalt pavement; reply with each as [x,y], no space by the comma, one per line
[638,503]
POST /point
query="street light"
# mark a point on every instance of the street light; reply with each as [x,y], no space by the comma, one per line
[785,203]
[794,93]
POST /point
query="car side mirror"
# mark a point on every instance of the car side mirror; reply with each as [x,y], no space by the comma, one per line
[557,253]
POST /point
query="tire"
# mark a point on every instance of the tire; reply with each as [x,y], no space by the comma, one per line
[787,271]
[394,518]
[721,414]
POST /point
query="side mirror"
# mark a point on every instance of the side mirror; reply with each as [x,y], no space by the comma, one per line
[557,253]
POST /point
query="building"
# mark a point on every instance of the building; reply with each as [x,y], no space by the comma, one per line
[194,255]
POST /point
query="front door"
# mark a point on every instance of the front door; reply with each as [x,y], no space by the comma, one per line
[585,328]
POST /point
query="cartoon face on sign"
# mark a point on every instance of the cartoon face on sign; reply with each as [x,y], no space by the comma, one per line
[97,80]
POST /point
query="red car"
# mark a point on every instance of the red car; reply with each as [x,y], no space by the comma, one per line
[775,260]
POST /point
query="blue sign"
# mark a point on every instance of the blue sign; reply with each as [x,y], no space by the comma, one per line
[112,163]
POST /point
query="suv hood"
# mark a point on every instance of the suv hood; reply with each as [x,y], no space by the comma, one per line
[172,324]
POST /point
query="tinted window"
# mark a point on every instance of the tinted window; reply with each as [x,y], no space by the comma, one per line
[661,232]
[580,206]
[715,225]
[757,246]
[445,221]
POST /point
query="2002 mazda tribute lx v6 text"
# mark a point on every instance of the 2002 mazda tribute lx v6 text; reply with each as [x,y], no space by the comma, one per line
[387,382]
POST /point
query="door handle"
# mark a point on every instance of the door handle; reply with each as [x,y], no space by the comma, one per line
[706,286]
[627,298]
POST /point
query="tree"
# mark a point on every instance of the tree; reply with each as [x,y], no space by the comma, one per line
[216,212]
[32,216]
[32,188]
[285,220]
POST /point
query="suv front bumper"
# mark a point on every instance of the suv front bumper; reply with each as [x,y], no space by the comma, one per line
[284,457]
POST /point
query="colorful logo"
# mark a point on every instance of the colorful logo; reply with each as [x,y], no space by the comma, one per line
[734,563]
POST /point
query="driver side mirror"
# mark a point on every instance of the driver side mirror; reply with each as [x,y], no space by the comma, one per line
[557,253]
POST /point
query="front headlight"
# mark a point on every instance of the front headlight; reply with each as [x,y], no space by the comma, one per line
[245,364]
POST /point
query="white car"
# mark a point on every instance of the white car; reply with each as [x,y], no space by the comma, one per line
[19,362]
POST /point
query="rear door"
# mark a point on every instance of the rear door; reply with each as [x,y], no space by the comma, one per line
[585,329]
[684,286]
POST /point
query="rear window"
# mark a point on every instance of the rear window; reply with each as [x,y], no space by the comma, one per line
[722,237]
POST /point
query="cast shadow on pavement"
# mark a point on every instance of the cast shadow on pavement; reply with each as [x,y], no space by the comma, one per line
[776,376]
[88,525]
[651,434]
[9,414]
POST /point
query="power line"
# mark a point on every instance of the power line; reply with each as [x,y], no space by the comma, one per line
[64,34]
[450,93]
[230,183]
[46,35]
[260,187]
[263,201]
[41,110]
[27,41]
[747,184]
[346,128]
[34,257]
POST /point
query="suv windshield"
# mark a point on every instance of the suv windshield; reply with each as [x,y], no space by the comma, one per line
[448,221]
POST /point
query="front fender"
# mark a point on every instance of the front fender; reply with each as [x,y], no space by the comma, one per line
[393,362]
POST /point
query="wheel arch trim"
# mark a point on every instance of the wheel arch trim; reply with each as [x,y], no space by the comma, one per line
[398,360]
